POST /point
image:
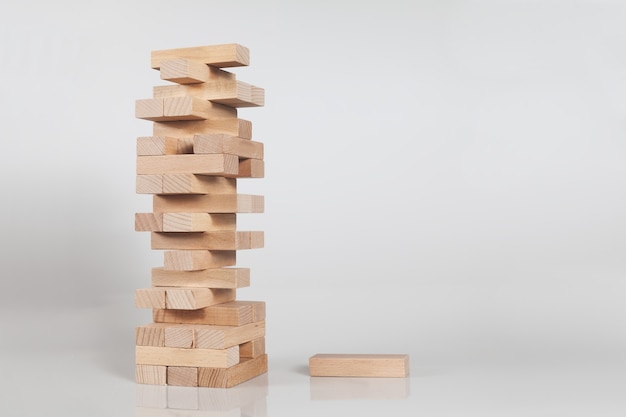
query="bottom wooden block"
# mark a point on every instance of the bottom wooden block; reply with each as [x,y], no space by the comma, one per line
[229,377]
[150,374]
[389,366]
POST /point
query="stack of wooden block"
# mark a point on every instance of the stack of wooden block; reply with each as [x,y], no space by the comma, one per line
[201,335]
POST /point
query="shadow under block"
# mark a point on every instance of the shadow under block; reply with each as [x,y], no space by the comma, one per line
[226,378]
[210,164]
[219,143]
[187,129]
[230,93]
[185,222]
[193,260]
[221,56]
[151,374]
[187,71]
[217,240]
[233,313]
[208,203]
[163,145]
[359,365]
[210,278]
[166,356]
[182,298]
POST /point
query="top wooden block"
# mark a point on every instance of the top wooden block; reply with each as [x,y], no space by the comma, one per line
[221,56]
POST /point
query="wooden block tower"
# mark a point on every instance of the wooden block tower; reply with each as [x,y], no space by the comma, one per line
[201,335]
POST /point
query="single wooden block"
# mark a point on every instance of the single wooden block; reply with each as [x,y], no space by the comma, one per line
[210,278]
[198,184]
[165,356]
[149,109]
[215,164]
[359,365]
[149,184]
[208,203]
[163,145]
[253,348]
[150,374]
[195,298]
[230,93]
[180,336]
[184,71]
[222,337]
[222,143]
[233,313]
[148,222]
[251,168]
[150,335]
[150,298]
[187,129]
[193,260]
[227,378]
[221,56]
[182,376]
[198,222]
[213,240]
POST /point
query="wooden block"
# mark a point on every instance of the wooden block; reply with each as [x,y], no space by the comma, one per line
[150,298]
[166,356]
[198,184]
[215,164]
[149,109]
[180,336]
[213,240]
[150,335]
[195,298]
[233,313]
[149,184]
[253,348]
[208,203]
[150,374]
[198,222]
[182,376]
[226,378]
[210,278]
[358,365]
[163,145]
[251,168]
[230,93]
[221,56]
[187,129]
[193,260]
[222,337]
[184,71]
[148,222]
[194,108]
[222,143]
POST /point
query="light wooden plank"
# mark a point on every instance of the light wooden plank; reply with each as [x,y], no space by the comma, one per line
[165,356]
[230,93]
[149,184]
[214,164]
[222,143]
[150,374]
[253,348]
[359,365]
[251,168]
[149,109]
[187,129]
[198,184]
[212,240]
[148,222]
[209,203]
[181,336]
[226,378]
[182,376]
[222,337]
[195,298]
[221,56]
[193,260]
[150,298]
[152,334]
[198,222]
[233,313]
[162,145]
[184,71]
[210,278]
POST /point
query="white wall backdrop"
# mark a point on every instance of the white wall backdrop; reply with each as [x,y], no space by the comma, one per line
[443,178]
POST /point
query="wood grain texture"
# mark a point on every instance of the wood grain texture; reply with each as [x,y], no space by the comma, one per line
[232,145]
[210,278]
[184,71]
[182,376]
[227,378]
[251,168]
[150,298]
[165,356]
[193,260]
[149,184]
[222,337]
[162,145]
[187,129]
[214,164]
[231,93]
[212,240]
[233,313]
[180,336]
[195,298]
[148,222]
[150,374]
[198,222]
[253,348]
[198,184]
[149,109]
[221,56]
[209,203]
[359,365]
[150,335]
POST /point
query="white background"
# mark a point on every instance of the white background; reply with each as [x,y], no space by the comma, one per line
[443,178]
